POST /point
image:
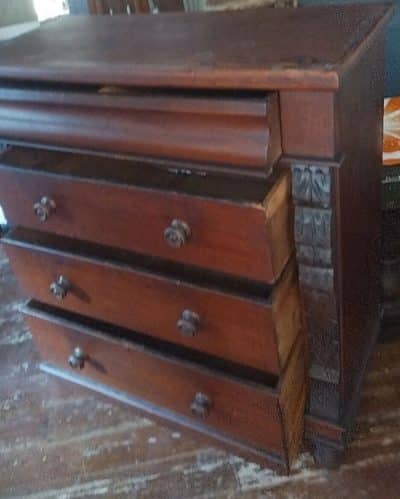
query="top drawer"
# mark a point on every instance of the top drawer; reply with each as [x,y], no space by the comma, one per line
[230,225]
[219,128]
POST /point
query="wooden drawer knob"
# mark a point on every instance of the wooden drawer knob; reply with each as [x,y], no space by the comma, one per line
[189,323]
[77,358]
[60,288]
[44,208]
[177,233]
[201,405]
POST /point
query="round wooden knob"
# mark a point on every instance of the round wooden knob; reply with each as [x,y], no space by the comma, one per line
[189,323]
[60,288]
[201,405]
[177,233]
[77,358]
[44,208]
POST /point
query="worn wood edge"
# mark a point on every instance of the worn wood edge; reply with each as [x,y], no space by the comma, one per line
[221,79]
[295,445]
[136,100]
[298,344]
[279,222]
[273,149]
[169,417]
[292,397]
[284,296]
[286,160]
[279,192]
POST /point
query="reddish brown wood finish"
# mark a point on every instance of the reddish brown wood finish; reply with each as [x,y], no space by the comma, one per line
[247,237]
[85,435]
[236,328]
[201,50]
[308,124]
[339,277]
[359,237]
[328,70]
[211,129]
[250,413]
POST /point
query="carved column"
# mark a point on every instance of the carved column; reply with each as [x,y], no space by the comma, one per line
[315,249]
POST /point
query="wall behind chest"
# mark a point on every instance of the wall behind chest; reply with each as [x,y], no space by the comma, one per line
[392,48]
[17,11]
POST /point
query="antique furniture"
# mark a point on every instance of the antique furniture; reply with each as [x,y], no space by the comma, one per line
[183,206]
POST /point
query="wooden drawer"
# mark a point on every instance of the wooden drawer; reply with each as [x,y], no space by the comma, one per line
[268,418]
[255,331]
[237,226]
[219,128]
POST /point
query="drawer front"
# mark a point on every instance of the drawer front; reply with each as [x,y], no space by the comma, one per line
[248,412]
[224,130]
[253,241]
[234,328]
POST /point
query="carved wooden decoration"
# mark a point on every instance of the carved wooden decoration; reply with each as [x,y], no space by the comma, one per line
[314,233]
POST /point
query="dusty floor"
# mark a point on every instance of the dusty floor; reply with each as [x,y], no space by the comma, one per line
[61,441]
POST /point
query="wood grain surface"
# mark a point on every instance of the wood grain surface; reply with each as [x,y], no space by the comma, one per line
[250,413]
[207,129]
[197,49]
[61,440]
[249,237]
[254,332]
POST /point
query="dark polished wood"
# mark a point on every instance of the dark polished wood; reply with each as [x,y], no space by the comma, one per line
[255,415]
[134,122]
[255,332]
[246,231]
[58,437]
[198,50]
[338,236]
[150,183]
[315,137]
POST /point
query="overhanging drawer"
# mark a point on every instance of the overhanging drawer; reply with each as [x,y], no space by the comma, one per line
[220,128]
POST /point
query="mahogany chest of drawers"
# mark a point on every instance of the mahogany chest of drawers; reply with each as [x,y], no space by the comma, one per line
[194,214]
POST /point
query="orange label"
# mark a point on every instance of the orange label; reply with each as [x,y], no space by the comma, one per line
[391,132]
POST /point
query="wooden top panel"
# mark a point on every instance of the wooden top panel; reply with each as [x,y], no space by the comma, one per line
[249,49]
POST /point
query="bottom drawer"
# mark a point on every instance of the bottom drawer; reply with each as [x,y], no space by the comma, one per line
[265,420]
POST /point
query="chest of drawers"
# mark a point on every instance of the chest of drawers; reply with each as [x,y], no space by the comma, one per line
[193,206]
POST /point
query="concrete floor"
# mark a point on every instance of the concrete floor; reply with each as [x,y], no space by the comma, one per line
[62,441]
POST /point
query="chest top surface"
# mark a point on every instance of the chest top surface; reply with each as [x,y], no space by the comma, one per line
[250,49]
